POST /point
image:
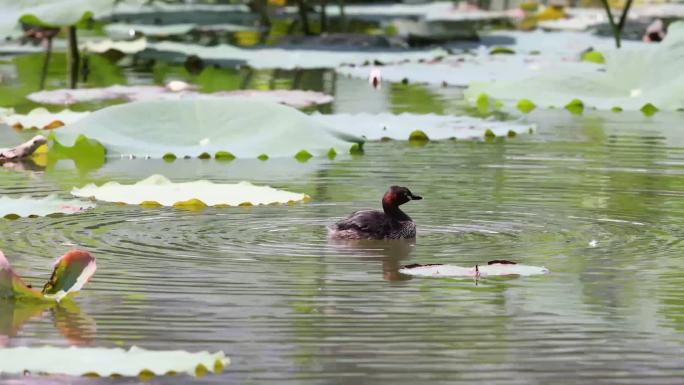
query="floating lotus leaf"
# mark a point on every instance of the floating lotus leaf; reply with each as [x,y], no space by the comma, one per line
[246,129]
[291,58]
[173,91]
[632,78]
[71,272]
[436,127]
[53,13]
[198,194]
[74,361]
[41,118]
[25,206]
[126,47]
[126,31]
[462,70]
[489,270]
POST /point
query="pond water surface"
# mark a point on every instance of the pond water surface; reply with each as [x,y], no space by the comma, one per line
[597,199]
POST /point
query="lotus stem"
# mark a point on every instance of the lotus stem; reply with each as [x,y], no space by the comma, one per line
[617,28]
[324,17]
[343,17]
[72,57]
[304,17]
[46,62]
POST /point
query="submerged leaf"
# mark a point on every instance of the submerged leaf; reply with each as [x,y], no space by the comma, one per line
[190,127]
[106,362]
[501,50]
[201,193]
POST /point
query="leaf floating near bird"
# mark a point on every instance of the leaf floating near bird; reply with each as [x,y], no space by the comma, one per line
[493,268]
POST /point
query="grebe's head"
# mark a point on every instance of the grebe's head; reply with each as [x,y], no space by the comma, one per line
[397,195]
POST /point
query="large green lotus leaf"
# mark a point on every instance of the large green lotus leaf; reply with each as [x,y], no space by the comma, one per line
[401,126]
[158,190]
[631,79]
[49,13]
[291,58]
[27,206]
[193,127]
[106,362]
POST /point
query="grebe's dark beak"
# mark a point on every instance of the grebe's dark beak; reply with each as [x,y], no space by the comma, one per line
[415,197]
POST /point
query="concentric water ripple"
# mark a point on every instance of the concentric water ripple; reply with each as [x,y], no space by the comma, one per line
[602,210]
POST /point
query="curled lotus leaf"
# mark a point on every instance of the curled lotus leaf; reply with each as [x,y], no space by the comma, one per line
[105,362]
[70,273]
[197,194]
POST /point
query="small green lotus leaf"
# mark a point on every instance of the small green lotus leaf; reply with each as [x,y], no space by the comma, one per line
[332,154]
[482,103]
[525,106]
[594,57]
[106,362]
[303,156]
[616,109]
[262,157]
[501,50]
[356,149]
[204,155]
[511,134]
[498,104]
[418,136]
[224,155]
[489,134]
[649,109]
[169,157]
[576,107]
[186,194]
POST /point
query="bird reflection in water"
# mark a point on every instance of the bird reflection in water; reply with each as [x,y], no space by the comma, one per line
[393,254]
